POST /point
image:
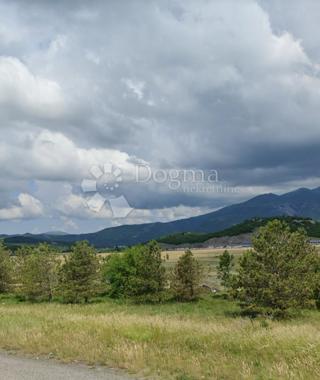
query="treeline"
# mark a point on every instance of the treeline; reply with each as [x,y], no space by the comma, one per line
[41,274]
[281,273]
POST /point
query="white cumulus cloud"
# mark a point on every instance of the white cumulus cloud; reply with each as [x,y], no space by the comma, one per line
[29,93]
[28,207]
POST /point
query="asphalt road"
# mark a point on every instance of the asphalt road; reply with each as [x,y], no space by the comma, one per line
[18,368]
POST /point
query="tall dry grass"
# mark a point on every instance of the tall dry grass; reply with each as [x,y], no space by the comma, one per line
[181,344]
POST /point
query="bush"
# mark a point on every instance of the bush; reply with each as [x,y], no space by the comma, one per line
[279,273]
[117,271]
[137,273]
[5,269]
[36,273]
[186,278]
[79,275]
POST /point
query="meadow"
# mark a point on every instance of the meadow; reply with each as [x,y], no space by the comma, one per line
[208,257]
[207,339]
[202,340]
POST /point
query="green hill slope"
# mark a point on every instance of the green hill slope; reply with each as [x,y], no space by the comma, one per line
[312,228]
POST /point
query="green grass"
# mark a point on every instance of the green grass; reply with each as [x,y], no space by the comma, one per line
[201,340]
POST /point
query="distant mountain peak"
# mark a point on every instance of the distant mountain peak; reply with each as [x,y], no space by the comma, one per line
[265,196]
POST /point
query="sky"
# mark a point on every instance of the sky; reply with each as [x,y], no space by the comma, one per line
[160,109]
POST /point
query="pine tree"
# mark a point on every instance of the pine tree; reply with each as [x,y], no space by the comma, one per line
[36,271]
[149,281]
[279,273]
[186,278]
[79,275]
[224,268]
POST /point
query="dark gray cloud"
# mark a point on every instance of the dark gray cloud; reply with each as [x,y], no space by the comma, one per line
[231,86]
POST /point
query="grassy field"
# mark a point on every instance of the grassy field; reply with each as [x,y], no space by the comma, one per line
[207,339]
[208,257]
[203,340]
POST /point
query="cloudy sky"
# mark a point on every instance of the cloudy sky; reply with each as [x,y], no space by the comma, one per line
[171,86]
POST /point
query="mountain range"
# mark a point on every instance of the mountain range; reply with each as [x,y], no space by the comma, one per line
[302,202]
